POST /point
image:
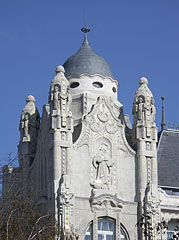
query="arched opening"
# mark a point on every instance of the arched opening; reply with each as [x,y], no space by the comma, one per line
[106,230]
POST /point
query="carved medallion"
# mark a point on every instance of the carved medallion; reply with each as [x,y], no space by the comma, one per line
[103,113]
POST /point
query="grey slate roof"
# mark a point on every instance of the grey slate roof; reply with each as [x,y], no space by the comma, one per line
[168,158]
[87,61]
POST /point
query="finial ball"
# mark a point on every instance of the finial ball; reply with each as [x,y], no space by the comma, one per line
[30,98]
[60,69]
[143,80]
[162,98]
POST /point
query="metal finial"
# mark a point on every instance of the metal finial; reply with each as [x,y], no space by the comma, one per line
[163,124]
[85,29]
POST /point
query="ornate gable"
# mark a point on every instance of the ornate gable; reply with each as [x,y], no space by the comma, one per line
[103,133]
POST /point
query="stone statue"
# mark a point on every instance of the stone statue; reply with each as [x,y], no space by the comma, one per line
[30,121]
[153,111]
[140,108]
[103,163]
[143,107]
[55,97]
[25,126]
[60,97]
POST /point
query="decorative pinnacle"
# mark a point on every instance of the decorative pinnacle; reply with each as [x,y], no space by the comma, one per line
[163,124]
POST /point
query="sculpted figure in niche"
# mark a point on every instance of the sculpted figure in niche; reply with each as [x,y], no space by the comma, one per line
[25,125]
[140,108]
[65,98]
[153,111]
[29,123]
[56,97]
[103,163]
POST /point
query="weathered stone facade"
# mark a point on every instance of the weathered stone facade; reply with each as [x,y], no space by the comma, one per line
[84,162]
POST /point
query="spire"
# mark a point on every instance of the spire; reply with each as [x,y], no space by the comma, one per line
[163,124]
[85,30]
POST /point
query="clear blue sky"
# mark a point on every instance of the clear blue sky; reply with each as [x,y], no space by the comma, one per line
[137,37]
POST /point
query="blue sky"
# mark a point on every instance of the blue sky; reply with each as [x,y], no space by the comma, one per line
[137,38]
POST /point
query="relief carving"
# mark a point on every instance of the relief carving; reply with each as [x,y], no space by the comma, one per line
[106,203]
[103,163]
[60,100]
[103,114]
[111,128]
[143,108]
[55,97]
[95,124]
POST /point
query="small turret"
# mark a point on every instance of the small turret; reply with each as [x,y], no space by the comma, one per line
[60,100]
[61,129]
[145,137]
[144,111]
[29,127]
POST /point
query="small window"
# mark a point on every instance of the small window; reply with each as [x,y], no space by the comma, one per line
[74,85]
[97,84]
[114,89]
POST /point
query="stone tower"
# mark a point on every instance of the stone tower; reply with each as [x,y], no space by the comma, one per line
[145,138]
[89,170]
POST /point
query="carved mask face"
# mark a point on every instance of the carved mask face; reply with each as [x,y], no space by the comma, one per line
[103,149]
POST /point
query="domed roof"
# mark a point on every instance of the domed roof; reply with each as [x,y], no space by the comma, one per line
[87,61]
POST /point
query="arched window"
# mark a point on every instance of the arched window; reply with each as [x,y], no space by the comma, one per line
[106,230]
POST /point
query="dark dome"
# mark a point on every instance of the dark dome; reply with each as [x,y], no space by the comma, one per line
[87,61]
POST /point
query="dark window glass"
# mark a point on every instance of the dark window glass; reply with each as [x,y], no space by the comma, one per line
[74,85]
[97,84]
[100,237]
[114,89]
[109,237]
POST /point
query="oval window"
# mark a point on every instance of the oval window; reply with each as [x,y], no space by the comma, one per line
[97,84]
[74,85]
[114,89]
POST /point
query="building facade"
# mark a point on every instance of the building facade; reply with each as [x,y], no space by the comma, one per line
[93,172]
